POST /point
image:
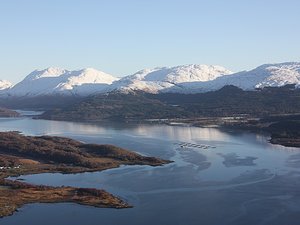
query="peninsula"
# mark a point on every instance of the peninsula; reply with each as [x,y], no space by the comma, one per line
[8,113]
[21,155]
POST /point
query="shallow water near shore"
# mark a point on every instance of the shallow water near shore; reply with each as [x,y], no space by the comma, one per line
[239,178]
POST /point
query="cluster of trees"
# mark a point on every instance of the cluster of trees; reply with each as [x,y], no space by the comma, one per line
[285,129]
[231,101]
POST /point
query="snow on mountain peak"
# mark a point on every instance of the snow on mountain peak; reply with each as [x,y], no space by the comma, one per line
[49,72]
[184,79]
[154,80]
[280,75]
[267,75]
[179,74]
[4,84]
[85,76]
[190,73]
[61,81]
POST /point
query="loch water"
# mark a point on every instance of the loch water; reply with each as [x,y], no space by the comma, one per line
[217,177]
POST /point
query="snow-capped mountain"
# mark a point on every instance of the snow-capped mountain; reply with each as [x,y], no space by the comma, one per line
[61,81]
[268,75]
[4,84]
[182,79]
[158,79]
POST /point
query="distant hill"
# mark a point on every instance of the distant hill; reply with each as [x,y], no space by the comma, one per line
[40,102]
[228,101]
[114,106]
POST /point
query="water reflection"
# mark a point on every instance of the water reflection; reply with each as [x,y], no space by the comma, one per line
[243,176]
[183,134]
[41,127]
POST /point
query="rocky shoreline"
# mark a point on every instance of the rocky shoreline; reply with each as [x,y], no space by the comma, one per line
[8,113]
[21,155]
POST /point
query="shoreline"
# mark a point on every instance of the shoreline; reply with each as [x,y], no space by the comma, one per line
[238,122]
[24,155]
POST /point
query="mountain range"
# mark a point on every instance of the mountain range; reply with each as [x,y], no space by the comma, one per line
[179,79]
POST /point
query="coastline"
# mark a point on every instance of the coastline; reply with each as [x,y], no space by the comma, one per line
[238,122]
[24,155]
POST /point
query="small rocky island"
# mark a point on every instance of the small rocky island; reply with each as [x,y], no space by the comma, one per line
[21,155]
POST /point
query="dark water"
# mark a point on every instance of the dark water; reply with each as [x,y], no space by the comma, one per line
[238,179]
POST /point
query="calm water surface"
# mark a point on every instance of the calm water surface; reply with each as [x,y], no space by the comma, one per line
[239,179]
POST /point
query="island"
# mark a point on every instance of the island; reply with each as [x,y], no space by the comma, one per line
[21,155]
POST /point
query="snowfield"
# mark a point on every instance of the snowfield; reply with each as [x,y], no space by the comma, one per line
[4,85]
[59,81]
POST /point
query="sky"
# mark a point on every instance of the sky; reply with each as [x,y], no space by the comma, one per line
[121,37]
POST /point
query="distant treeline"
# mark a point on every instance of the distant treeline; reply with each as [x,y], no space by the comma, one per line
[231,101]
[228,101]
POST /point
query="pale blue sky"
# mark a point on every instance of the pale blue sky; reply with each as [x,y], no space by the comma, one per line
[123,36]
